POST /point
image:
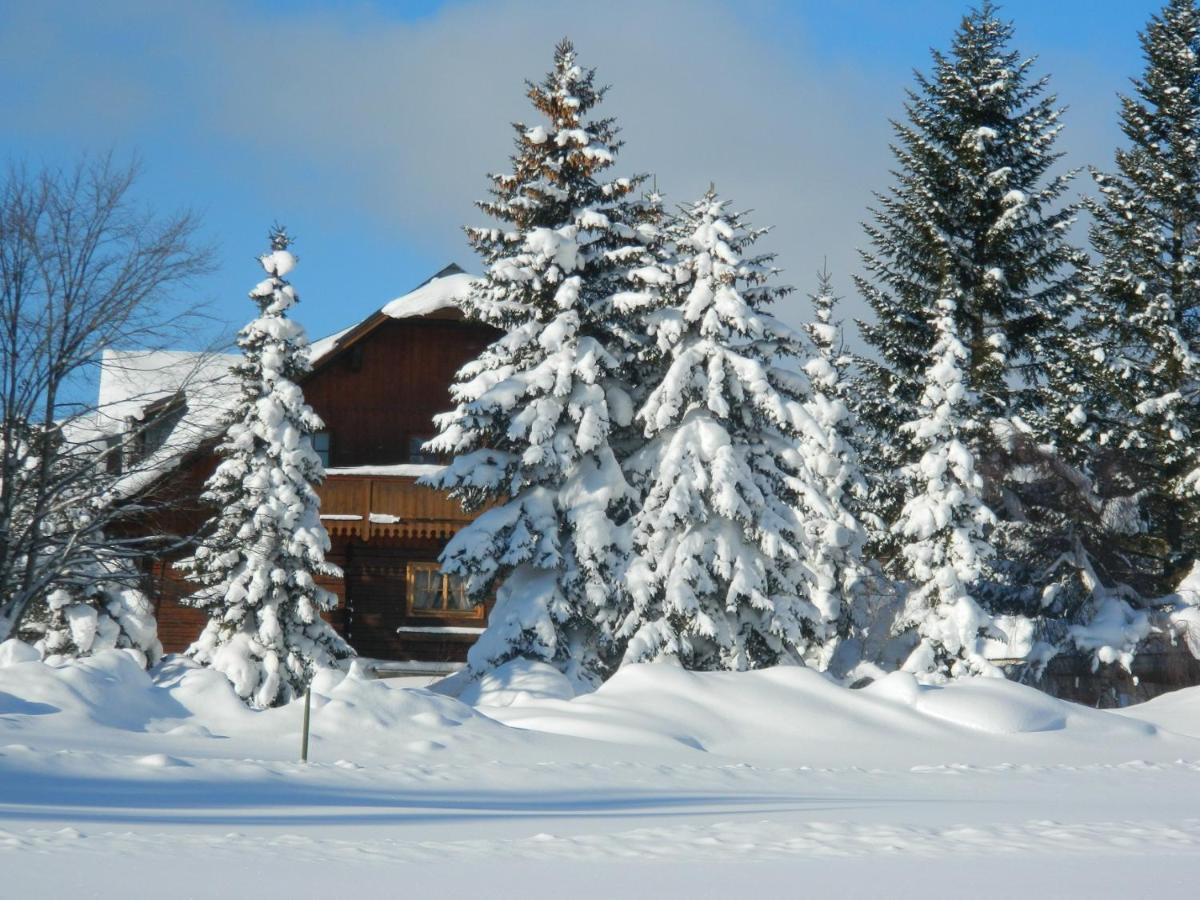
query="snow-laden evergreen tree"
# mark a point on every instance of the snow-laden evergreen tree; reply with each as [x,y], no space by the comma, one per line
[836,517]
[265,547]
[719,540]
[976,211]
[945,523]
[1141,407]
[100,608]
[536,411]
[974,193]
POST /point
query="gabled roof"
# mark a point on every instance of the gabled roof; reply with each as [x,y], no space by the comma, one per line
[133,384]
[436,297]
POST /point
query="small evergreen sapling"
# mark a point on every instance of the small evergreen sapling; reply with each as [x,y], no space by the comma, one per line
[835,511]
[266,546]
[944,523]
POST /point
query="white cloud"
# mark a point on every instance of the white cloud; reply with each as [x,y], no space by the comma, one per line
[403,119]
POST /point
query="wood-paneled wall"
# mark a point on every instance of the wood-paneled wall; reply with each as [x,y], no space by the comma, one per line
[373,397]
[385,389]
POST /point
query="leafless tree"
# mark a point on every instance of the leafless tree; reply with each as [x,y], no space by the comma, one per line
[83,267]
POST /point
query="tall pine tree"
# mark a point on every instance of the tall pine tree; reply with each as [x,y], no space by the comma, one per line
[719,539]
[1145,294]
[536,413]
[265,547]
[975,215]
[1136,395]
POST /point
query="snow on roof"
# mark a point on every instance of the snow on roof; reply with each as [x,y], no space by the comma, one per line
[133,381]
[440,292]
[443,291]
[319,348]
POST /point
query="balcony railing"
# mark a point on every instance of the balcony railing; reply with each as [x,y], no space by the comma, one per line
[369,507]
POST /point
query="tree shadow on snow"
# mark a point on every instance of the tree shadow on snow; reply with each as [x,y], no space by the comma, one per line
[193,802]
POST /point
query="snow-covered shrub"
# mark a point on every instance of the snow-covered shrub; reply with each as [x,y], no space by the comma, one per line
[100,609]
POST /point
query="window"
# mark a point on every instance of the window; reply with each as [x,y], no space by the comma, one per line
[321,444]
[160,421]
[433,593]
[418,455]
[114,452]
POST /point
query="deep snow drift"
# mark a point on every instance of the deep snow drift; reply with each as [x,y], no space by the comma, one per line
[111,778]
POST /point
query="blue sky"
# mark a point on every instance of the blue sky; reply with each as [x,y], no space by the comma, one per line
[368,127]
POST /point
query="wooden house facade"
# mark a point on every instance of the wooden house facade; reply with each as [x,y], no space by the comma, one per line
[377,387]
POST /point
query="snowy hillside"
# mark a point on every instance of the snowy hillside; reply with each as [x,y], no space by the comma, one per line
[171,777]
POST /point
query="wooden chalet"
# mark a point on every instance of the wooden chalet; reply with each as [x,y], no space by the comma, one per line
[377,387]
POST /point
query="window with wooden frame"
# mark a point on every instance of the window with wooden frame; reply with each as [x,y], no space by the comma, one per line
[158,421]
[417,452]
[431,592]
[322,444]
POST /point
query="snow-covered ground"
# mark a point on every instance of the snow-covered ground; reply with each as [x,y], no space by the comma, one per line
[664,783]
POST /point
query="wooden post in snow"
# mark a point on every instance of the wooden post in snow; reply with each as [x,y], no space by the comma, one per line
[304,735]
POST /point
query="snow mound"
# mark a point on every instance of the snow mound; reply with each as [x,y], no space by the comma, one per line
[793,715]
[109,688]
[1178,711]
[989,704]
[162,761]
[358,705]
[180,713]
[13,651]
[516,683]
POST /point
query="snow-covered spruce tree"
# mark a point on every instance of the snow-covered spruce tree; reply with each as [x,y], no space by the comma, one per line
[1143,312]
[972,193]
[836,516]
[945,522]
[719,539]
[536,412]
[976,212]
[265,547]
